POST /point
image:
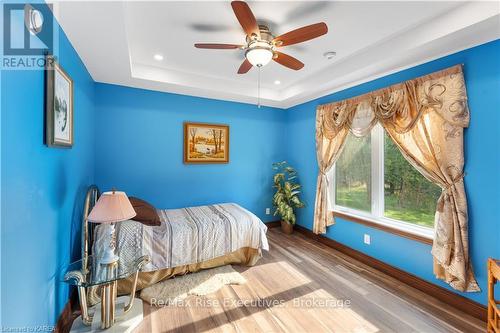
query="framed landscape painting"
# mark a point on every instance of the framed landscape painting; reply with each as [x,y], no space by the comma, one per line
[58,106]
[206,143]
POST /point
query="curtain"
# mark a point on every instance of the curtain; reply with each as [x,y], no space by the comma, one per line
[330,139]
[425,118]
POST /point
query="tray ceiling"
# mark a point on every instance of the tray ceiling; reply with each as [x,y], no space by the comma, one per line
[118,40]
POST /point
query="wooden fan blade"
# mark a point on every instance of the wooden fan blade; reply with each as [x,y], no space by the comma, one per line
[245,67]
[246,18]
[287,61]
[301,34]
[216,46]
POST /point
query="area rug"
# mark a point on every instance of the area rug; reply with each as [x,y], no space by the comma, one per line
[177,289]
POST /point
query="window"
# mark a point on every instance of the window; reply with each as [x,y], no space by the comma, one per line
[375,182]
[353,174]
[408,196]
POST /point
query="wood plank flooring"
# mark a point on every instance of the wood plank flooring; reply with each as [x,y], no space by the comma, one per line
[301,285]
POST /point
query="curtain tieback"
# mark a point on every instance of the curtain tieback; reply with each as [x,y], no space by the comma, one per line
[454,181]
[446,189]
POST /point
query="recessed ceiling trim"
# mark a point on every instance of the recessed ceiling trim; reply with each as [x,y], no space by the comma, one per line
[116,49]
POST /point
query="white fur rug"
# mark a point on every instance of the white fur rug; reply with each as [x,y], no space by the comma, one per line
[204,282]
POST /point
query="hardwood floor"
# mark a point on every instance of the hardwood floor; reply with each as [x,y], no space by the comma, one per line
[305,286]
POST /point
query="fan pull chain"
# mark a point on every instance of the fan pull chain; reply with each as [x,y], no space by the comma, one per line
[258,88]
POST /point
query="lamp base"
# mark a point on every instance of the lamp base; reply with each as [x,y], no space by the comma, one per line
[108,255]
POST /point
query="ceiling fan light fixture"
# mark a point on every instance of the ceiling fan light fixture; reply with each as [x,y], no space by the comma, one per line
[259,54]
[259,57]
[261,44]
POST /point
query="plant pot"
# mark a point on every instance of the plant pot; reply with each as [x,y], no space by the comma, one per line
[286,227]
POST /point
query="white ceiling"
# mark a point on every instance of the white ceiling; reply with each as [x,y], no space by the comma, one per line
[117,41]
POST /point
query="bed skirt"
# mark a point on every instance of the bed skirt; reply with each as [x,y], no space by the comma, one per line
[245,256]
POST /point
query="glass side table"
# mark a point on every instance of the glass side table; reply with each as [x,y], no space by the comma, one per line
[87,273]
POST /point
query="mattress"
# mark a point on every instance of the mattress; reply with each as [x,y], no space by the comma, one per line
[188,236]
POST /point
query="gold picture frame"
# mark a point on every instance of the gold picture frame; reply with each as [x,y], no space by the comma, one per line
[206,143]
[58,105]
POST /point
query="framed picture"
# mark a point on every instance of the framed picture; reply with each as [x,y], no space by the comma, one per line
[206,143]
[58,106]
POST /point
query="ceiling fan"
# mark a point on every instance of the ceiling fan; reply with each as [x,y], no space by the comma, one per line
[261,45]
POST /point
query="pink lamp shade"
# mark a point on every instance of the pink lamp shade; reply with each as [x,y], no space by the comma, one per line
[112,207]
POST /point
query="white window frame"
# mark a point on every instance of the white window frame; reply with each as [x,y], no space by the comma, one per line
[377,193]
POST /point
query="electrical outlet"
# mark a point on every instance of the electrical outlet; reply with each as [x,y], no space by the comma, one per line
[268,211]
[367,239]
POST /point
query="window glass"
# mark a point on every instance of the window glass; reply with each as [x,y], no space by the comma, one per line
[408,196]
[353,174]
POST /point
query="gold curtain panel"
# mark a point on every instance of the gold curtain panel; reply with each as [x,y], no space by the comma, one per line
[425,117]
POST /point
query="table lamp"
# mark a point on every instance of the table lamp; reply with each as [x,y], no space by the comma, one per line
[111,207]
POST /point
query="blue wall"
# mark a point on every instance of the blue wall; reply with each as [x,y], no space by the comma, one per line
[139,149]
[482,166]
[42,192]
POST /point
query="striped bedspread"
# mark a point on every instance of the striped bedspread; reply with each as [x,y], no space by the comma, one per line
[189,235]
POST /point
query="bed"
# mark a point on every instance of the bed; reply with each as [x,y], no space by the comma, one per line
[187,240]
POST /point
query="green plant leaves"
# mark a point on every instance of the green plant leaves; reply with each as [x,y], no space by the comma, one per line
[286,197]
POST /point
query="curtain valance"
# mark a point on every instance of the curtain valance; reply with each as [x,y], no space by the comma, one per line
[425,118]
[399,106]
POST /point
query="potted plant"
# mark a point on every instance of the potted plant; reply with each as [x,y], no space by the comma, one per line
[286,199]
